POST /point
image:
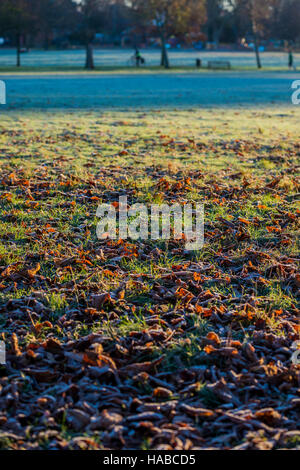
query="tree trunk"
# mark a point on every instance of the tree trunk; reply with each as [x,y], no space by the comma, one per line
[256,45]
[217,33]
[89,62]
[164,53]
[18,50]
[216,36]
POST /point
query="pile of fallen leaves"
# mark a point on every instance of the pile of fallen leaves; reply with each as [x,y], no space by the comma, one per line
[122,344]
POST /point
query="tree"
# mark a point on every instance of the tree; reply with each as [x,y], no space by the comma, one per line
[171,17]
[286,20]
[117,18]
[215,19]
[55,16]
[17,18]
[91,13]
[257,14]
[254,17]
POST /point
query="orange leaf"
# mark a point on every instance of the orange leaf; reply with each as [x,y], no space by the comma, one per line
[213,337]
[209,349]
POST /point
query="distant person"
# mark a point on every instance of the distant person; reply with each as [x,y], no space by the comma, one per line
[291,60]
[139,60]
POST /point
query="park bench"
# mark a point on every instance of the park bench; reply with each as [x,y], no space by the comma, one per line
[219,64]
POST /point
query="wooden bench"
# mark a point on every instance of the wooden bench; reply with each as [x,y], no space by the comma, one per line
[219,64]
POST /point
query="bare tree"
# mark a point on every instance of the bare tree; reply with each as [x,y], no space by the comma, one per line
[55,16]
[17,18]
[91,12]
[171,17]
[254,16]
[215,19]
[285,22]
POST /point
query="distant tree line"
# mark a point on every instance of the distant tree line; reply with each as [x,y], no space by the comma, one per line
[60,23]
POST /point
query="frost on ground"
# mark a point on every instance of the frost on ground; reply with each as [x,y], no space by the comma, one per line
[125,344]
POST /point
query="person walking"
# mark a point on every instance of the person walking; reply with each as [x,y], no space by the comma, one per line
[291,59]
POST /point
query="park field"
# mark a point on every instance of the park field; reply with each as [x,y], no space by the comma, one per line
[142,344]
[121,57]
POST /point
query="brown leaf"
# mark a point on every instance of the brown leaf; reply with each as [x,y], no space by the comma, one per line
[15,345]
[199,412]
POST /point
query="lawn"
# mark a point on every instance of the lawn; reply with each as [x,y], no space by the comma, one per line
[122,344]
[148,89]
[120,57]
